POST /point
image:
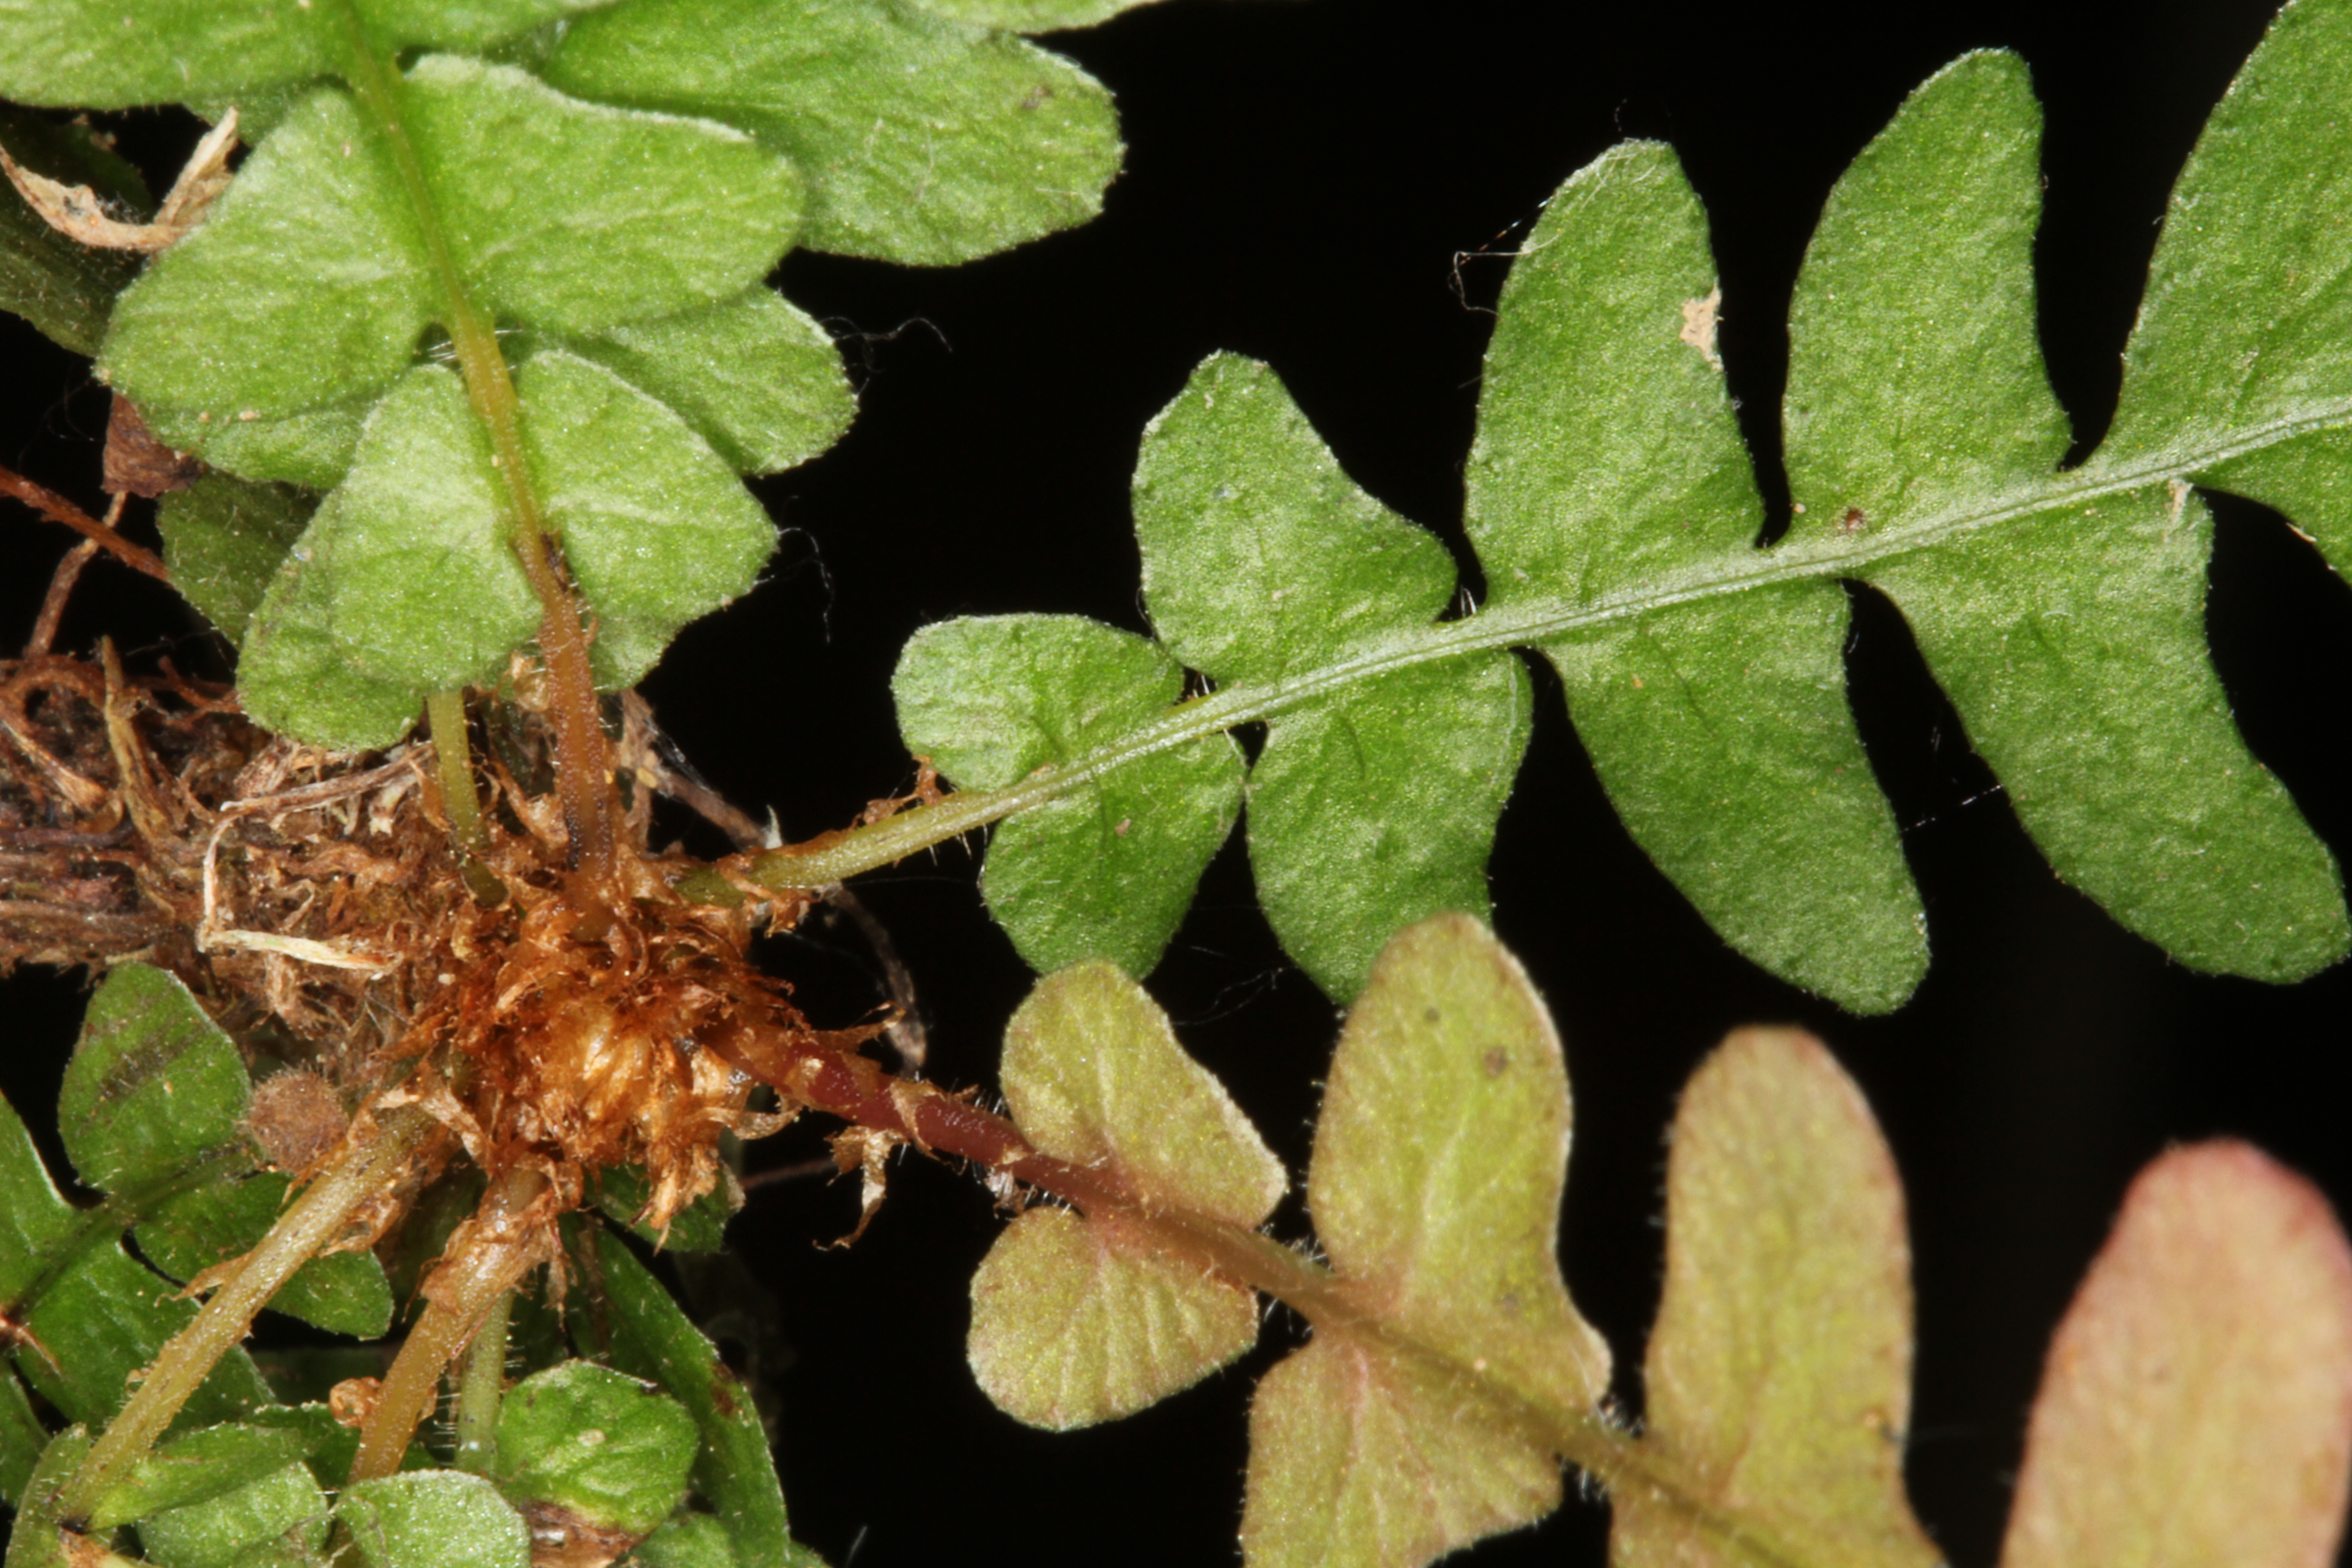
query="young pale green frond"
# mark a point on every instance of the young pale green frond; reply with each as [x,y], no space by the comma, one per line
[1778,1381]
[1448,1370]
[2221,1305]
[1423,1415]
[1448,1373]
[1079,1320]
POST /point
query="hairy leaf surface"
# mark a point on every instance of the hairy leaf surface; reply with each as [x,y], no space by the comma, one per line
[1261,560]
[99,1315]
[152,1112]
[654,524]
[1416,1421]
[342,1292]
[313,282]
[278,1517]
[924,140]
[195,1468]
[401,585]
[1105,871]
[754,376]
[283,339]
[1080,1320]
[402,582]
[606,1448]
[1031,16]
[433,1518]
[223,539]
[405,199]
[21,1432]
[1778,1381]
[2197,1406]
[88,54]
[2239,369]
[1615,515]
[650,1337]
[32,1536]
[1607,464]
[624,1195]
[2071,639]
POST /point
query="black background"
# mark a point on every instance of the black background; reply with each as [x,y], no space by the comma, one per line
[1328,186]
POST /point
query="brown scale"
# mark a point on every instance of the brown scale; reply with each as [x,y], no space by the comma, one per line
[529,979]
[314,903]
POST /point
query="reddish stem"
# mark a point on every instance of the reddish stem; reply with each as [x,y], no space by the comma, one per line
[811,1072]
[56,509]
[825,1077]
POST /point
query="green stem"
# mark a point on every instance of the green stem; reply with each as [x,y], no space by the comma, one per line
[314,1220]
[452,765]
[470,1283]
[1818,556]
[481,1384]
[582,778]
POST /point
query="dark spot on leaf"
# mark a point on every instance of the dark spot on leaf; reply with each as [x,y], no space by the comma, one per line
[1497,1061]
[1430,1014]
[723,1383]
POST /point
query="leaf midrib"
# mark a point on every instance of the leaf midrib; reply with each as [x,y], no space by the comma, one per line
[1819,556]
[490,394]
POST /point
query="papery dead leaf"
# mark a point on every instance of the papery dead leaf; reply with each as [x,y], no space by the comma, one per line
[76,211]
[136,463]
